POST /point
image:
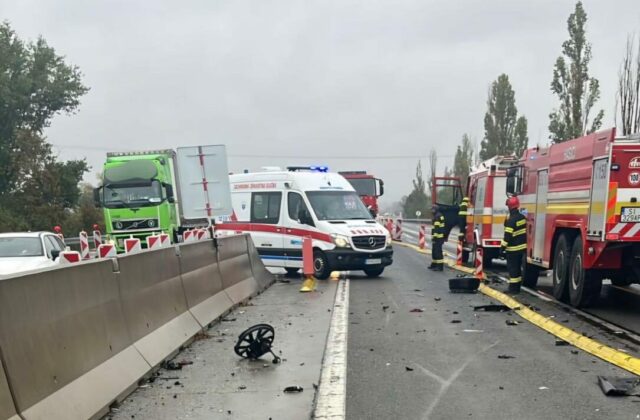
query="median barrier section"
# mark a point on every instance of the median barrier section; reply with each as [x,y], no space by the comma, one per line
[235,268]
[260,273]
[7,408]
[65,344]
[154,303]
[202,282]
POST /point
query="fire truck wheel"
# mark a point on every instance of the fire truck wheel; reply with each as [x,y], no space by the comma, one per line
[530,274]
[584,285]
[320,265]
[374,271]
[561,269]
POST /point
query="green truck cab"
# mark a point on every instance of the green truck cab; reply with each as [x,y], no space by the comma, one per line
[137,195]
[163,191]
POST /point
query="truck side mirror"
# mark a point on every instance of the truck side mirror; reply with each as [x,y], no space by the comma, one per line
[97,200]
[169,190]
[380,187]
[55,253]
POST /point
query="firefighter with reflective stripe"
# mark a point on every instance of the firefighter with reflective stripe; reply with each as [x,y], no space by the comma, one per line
[514,243]
[437,240]
[462,219]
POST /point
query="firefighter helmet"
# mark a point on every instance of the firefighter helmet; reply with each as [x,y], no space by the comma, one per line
[513,202]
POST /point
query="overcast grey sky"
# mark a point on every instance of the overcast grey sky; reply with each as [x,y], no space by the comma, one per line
[294,82]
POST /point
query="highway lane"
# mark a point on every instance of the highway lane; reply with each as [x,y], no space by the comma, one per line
[420,365]
[617,305]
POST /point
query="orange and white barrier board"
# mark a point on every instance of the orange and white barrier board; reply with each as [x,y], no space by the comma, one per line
[421,236]
[459,254]
[107,251]
[97,239]
[165,240]
[132,245]
[479,269]
[154,242]
[188,236]
[398,232]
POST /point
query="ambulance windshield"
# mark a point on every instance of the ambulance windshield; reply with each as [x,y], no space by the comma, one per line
[337,205]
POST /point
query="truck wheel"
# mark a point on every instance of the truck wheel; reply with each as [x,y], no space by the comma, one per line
[584,285]
[561,269]
[320,265]
[291,271]
[530,274]
[374,271]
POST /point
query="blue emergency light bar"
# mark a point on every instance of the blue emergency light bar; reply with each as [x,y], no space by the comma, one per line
[308,168]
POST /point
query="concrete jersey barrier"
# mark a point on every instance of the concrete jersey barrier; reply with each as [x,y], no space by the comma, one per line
[65,343]
[74,339]
[202,282]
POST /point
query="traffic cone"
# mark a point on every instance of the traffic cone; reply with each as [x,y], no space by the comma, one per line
[309,283]
[335,275]
[479,274]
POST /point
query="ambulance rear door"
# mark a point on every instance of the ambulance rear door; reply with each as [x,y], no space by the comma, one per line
[266,226]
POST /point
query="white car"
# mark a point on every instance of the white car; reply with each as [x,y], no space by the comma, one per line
[25,251]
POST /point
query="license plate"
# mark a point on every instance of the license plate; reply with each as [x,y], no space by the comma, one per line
[372,261]
[630,215]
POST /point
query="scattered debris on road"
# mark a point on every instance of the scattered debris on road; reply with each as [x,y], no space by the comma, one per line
[619,386]
[560,342]
[491,308]
[511,322]
[473,331]
[408,369]
[228,319]
[455,321]
[437,299]
[416,310]
[293,389]
[385,307]
[506,356]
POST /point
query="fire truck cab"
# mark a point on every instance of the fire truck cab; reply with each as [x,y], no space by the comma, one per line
[487,212]
[581,199]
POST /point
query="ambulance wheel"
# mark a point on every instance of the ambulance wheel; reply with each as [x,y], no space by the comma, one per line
[561,269]
[321,269]
[530,274]
[291,271]
[374,271]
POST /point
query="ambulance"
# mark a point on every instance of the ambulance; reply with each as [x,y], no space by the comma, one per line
[278,208]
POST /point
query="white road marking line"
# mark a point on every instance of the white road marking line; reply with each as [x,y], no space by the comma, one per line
[331,399]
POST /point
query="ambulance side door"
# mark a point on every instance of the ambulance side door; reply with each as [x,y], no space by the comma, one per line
[299,222]
[266,228]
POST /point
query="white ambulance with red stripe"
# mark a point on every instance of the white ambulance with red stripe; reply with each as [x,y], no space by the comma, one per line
[281,207]
[582,202]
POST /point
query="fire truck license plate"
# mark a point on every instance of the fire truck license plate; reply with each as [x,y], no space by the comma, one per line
[372,261]
[630,215]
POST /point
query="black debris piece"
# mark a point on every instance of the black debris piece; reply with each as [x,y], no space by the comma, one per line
[175,395]
[283,281]
[505,356]
[619,386]
[177,383]
[491,308]
[242,387]
[574,352]
[455,321]
[171,365]
[511,322]
[417,310]
[455,312]
[533,308]
[185,362]
[408,369]
[294,388]
[561,343]
[385,307]
[228,319]
[315,386]
[416,290]
[437,299]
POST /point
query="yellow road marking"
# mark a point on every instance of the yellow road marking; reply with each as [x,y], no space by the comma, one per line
[589,345]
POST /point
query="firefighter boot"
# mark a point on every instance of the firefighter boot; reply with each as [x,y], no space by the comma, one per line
[438,267]
[514,288]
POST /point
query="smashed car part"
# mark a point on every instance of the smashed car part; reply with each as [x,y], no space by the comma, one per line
[256,341]
[464,284]
[491,308]
[619,386]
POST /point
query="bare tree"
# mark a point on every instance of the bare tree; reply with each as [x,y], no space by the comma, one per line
[433,166]
[628,100]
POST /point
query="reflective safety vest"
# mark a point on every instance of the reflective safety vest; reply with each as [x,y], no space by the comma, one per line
[515,233]
[437,232]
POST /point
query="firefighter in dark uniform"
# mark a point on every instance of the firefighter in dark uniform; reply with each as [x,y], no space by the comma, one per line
[462,219]
[514,243]
[437,240]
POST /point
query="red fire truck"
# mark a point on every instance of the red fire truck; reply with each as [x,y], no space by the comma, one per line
[487,211]
[368,188]
[583,214]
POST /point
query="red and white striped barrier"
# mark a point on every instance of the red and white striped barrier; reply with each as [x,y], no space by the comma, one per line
[97,238]
[154,242]
[389,226]
[398,231]
[479,269]
[201,234]
[459,254]
[84,245]
[107,251]
[422,236]
[70,257]
[188,236]
[132,245]
[165,240]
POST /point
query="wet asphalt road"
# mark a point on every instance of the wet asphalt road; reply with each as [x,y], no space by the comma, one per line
[420,365]
[617,305]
